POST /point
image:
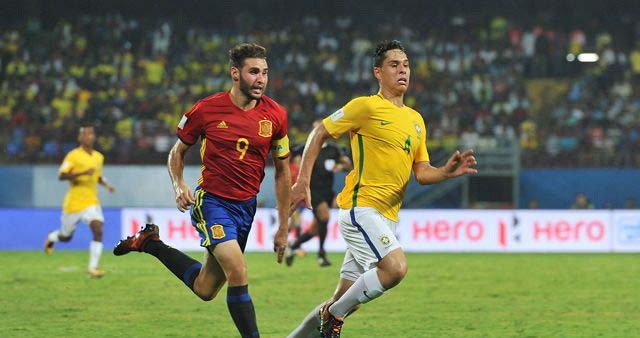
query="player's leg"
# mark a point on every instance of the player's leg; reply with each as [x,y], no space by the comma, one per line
[94,217]
[310,326]
[69,222]
[210,278]
[231,259]
[382,257]
[322,213]
[95,249]
[305,237]
[188,270]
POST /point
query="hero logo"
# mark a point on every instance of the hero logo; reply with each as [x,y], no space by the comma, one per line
[565,231]
[629,230]
[443,230]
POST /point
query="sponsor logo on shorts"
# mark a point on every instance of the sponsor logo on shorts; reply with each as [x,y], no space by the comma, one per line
[385,240]
[217,231]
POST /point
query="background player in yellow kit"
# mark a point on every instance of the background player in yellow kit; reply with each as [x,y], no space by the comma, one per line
[388,142]
[82,167]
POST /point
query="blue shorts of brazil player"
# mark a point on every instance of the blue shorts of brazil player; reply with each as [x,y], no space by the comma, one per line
[219,219]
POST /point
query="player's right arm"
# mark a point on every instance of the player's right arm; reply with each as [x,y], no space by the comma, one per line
[175,164]
[348,118]
[73,176]
[66,170]
[188,131]
[300,191]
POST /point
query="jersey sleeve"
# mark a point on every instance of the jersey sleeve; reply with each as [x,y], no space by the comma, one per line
[67,164]
[422,155]
[280,140]
[350,117]
[190,126]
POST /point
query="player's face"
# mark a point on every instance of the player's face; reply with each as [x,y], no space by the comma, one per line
[253,77]
[87,136]
[395,72]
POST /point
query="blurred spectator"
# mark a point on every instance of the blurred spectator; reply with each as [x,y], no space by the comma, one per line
[474,80]
[581,202]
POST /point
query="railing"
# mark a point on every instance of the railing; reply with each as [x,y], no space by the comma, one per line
[502,162]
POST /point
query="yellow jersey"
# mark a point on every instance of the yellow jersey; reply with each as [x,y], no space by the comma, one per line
[385,142]
[83,192]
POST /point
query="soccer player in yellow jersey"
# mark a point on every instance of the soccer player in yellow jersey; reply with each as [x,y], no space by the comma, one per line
[82,167]
[388,142]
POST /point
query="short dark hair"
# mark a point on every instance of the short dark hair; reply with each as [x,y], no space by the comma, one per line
[86,125]
[382,48]
[242,51]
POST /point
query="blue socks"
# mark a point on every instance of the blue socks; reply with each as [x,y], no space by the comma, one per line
[242,311]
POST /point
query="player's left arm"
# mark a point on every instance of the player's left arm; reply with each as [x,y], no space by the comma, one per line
[103,182]
[280,154]
[457,165]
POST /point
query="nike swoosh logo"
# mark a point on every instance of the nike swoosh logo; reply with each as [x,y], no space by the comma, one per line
[365,294]
[384,123]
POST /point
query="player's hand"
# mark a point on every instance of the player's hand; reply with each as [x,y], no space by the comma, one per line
[89,171]
[300,192]
[111,188]
[280,243]
[184,197]
[460,164]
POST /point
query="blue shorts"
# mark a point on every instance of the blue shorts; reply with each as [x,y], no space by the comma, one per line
[219,219]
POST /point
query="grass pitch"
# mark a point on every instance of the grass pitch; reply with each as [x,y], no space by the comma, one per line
[444,295]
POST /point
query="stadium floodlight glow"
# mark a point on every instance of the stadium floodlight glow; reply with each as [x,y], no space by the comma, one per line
[588,57]
[571,57]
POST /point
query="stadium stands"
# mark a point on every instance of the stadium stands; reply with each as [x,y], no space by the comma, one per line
[482,82]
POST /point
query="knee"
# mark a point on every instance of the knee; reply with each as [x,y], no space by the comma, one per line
[237,275]
[392,276]
[323,218]
[209,295]
[97,236]
[399,272]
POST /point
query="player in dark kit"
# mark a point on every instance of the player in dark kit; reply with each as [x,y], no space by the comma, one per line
[331,159]
[237,130]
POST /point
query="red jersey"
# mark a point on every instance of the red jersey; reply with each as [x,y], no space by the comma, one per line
[235,143]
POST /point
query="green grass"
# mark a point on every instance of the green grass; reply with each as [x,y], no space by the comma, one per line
[444,295]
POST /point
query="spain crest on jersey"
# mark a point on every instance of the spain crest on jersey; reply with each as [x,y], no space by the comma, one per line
[266,128]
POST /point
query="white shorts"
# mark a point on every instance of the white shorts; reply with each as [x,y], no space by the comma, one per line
[70,220]
[369,236]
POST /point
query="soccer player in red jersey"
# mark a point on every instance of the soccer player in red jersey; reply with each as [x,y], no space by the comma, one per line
[237,128]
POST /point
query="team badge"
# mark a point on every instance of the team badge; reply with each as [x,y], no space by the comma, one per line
[183,121]
[385,240]
[337,115]
[266,128]
[217,231]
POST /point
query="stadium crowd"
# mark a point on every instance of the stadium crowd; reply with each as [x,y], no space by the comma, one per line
[473,80]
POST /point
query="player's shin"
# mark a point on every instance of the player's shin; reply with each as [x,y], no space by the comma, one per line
[309,326]
[365,289]
[95,251]
[242,311]
[182,266]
